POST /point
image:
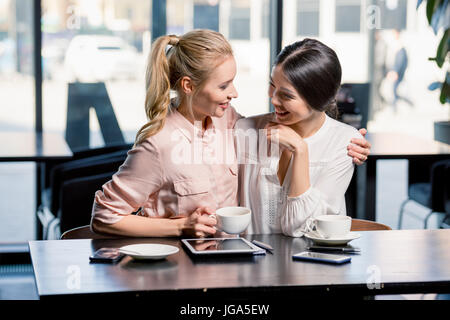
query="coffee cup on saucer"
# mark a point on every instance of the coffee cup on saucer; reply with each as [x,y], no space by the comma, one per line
[233,220]
[329,226]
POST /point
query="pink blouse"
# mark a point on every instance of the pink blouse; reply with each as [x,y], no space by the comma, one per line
[174,172]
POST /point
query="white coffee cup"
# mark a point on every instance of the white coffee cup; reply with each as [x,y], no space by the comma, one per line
[330,226]
[233,220]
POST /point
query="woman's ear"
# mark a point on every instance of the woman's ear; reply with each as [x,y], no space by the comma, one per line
[186,85]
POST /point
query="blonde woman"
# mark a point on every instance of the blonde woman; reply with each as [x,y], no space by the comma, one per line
[164,178]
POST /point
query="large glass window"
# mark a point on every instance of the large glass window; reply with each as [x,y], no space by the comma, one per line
[308,17]
[93,55]
[16,66]
[392,14]
[245,24]
[206,15]
[348,15]
[17,96]
[240,20]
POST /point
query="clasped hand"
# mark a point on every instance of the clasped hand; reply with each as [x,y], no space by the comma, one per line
[200,223]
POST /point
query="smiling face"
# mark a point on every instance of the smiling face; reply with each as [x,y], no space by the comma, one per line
[290,107]
[214,97]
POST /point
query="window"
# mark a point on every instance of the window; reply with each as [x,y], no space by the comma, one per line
[239,20]
[393,14]
[17,110]
[93,69]
[265,18]
[16,66]
[348,15]
[206,15]
[308,18]
[243,23]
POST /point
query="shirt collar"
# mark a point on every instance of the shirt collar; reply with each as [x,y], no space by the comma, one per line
[188,129]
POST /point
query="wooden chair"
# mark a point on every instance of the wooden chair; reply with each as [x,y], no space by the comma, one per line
[366,225]
[84,232]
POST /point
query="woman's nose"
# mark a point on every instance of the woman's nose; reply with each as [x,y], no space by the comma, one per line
[233,93]
[275,100]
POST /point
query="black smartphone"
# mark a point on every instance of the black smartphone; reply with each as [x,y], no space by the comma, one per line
[107,255]
[347,249]
[322,257]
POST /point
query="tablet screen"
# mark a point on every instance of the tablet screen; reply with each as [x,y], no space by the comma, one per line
[234,244]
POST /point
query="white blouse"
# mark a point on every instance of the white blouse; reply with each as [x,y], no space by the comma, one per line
[330,170]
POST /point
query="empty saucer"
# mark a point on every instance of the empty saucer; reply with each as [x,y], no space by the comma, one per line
[333,241]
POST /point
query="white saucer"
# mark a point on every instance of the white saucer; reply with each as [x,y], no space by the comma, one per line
[333,241]
[153,251]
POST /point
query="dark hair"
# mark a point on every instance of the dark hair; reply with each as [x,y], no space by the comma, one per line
[314,71]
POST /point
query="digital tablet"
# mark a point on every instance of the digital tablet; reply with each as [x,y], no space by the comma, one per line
[211,246]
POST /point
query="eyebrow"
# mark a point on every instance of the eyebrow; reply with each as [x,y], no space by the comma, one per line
[226,82]
[283,88]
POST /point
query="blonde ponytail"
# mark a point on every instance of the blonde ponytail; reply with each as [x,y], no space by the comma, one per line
[195,55]
[157,99]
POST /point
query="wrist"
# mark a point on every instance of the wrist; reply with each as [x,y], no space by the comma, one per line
[300,148]
[179,224]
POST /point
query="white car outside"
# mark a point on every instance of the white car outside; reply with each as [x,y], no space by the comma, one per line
[93,58]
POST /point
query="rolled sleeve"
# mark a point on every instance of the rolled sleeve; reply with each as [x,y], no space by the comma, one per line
[139,176]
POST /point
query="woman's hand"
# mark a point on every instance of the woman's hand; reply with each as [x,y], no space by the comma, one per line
[286,137]
[359,149]
[199,223]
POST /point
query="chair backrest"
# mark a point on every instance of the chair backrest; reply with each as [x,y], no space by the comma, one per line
[80,168]
[76,200]
[83,232]
[366,225]
[447,189]
[439,185]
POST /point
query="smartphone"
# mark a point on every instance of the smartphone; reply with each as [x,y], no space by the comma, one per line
[321,257]
[347,249]
[107,255]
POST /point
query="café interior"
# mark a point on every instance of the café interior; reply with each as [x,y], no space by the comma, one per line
[72,86]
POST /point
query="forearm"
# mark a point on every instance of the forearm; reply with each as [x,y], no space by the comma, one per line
[300,182]
[138,226]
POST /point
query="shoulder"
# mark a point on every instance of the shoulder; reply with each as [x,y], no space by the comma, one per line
[254,122]
[230,117]
[341,133]
[148,147]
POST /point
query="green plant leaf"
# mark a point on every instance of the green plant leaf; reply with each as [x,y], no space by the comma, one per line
[445,90]
[432,6]
[443,48]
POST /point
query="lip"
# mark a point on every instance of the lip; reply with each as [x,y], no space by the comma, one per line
[281,114]
[224,105]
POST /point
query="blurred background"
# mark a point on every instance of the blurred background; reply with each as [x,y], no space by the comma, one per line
[107,41]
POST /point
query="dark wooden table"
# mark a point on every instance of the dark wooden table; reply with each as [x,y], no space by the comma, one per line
[29,146]
[32,147]
[391,262]
[394,146]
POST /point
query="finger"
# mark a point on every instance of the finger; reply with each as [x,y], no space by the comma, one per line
[205,210]
[359,156]
[207,220]
[357,161]
[363,131]
[194,215]
[361,142]
[199,234]
[359,150]
[204,229]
